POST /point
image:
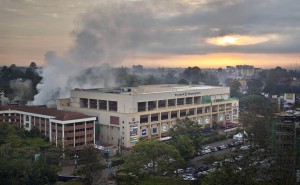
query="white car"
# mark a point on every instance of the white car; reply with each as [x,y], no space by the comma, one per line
[179,171]
[239,158]
[206,151]
[245,147]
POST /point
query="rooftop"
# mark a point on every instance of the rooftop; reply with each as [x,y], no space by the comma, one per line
[146,89]
[57,114]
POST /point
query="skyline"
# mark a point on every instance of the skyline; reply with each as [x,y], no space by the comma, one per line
[153,33]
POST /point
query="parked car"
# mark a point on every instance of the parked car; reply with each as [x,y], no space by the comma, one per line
[165,173]
[179,170]
[206,151]
[239,158]
[217,164]
[234,149]
[214,149]
[229,160]
[245,147]
[188,170]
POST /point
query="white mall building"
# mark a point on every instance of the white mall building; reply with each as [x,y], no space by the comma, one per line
[126,114]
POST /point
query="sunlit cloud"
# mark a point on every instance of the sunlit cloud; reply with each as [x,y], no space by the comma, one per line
[240,40]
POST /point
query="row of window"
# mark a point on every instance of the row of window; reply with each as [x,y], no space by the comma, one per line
[99,104]
[152,105]
[172,114]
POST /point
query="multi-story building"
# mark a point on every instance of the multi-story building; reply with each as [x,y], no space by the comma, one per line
[287,142]
[126,114]
[64,128]
[245,70]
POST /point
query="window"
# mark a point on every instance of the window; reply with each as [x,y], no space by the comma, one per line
[171,102]
[141,106]
[102,104]
[27,125]
[173,114]
[162,103]
[197,100]
[154,130]
[113,106]
[27,118]
[192,112]
[84,102]
[154,117]
[199,110]
[144,119]
[151,105]
[180,101]
[93,104]
[182,113]
[164,115]
[189,100]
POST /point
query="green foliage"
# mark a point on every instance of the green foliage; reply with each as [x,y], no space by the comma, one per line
[17,166]
[234,88]
[89,164]
[152,151]
[227,175]
[183,81]
[184,145]
[188,128]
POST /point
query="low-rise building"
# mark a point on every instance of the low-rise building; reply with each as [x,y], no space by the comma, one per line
[64,128]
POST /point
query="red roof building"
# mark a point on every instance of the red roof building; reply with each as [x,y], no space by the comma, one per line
[64,128]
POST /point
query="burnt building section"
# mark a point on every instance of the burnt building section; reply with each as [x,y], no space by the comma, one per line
[287,143]
[65,128]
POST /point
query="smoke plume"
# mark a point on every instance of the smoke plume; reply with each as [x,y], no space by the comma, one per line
[104,37]
[22,89]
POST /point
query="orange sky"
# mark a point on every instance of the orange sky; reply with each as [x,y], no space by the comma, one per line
[219,60]
[30,28]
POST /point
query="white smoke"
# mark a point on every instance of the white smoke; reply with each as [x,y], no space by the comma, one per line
[109,33]
[22,89]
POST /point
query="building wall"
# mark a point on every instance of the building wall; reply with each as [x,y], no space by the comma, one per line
[126,123]
[71,133]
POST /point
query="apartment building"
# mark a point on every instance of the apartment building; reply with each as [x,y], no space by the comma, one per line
[126,114]
[286,141]
[64,128]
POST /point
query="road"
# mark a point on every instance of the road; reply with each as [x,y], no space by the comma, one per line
[200,160]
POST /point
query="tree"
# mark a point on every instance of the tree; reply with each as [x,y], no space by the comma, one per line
[89,164]
[192,74]
[17,161]
[254,86]
[188,128]
[33,65]
[156,154]
[184,145]
[234,88]
[227,175]
[183,81]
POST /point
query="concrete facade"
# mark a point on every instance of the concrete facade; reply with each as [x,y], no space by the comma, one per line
[73,130]
[126,114]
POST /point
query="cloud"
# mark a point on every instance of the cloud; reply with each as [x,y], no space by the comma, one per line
[117,30]
[240,40]
[258,25]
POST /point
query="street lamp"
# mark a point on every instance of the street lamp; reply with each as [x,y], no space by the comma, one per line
[76,156]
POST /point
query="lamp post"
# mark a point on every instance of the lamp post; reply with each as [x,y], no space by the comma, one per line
[76,156]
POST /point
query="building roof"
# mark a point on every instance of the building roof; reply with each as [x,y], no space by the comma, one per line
[57,114]
[146,89]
